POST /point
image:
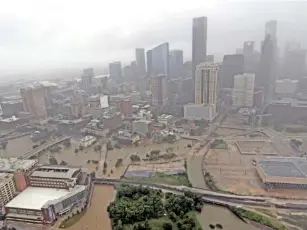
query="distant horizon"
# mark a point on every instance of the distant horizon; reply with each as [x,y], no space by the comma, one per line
[34,40]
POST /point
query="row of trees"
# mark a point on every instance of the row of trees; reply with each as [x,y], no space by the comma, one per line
[139,204]
[135,204]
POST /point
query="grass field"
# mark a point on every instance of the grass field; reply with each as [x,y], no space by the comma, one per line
[161,178]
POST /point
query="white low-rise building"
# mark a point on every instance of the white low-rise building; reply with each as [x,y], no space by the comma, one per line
[200,112]
[165,119]
[87,141]
[141,127]
[286,87]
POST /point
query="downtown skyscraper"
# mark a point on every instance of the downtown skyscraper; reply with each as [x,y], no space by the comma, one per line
[199,44]
[140,62]
[160,60]
[267,72]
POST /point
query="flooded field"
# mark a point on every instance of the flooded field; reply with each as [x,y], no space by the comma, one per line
[17,147]
[218,215]
[96,217]
[69,156]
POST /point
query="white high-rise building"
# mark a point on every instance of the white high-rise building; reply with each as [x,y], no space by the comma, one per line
[206,83]
[206,92]
[243,90]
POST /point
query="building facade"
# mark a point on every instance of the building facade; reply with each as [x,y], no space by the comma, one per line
[294,62]
[243,90]
[7,188]
[233,64]
[160,60]
[176,63]
[36,100]
[115,71]
[206,83]
[199,43]
[126,107]
[286,87]
[140,61]
[159,90]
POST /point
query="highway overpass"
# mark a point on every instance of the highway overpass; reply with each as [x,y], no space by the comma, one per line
[217,197]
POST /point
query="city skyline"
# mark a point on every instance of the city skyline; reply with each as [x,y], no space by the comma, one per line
[23,51]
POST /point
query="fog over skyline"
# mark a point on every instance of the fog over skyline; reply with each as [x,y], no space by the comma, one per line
[37,34]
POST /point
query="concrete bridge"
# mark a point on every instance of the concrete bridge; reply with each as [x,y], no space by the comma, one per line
[43,147]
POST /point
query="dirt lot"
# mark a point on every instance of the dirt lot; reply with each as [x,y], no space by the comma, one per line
[228,131]
[255,147]
[235,172]
[231,170]
[179,148]
[96,217]
[168,168]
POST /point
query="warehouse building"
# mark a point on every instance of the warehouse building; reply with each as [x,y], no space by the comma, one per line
[283,172]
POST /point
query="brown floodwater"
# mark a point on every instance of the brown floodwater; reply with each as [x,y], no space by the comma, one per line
[17,147]
[96,217]
[212,214]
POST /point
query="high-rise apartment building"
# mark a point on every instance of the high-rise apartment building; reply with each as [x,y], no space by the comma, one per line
[7,188]
[140,62]
[176,63]
[243,90]
[160,60]
[206,93]
[206,83]
[159,90]
[199,43]
[36,100]
[115,71]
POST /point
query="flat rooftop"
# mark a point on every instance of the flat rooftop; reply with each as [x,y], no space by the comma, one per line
[5,176]
[15,164]
[294,167]
[55,172]
[34,198]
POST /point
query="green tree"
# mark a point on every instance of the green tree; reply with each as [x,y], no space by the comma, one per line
[167,226]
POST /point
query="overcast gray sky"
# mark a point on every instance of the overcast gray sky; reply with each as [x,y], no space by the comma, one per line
[44,34]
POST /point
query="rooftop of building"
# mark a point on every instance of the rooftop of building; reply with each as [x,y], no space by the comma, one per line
[143,121]
[11,102]
[61,172]
[87,138]
[290,101]
[39,84]
[295,167]
[165,116]
[15,164]
[5,176]
[35,198]
[10,119]
[287,80]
